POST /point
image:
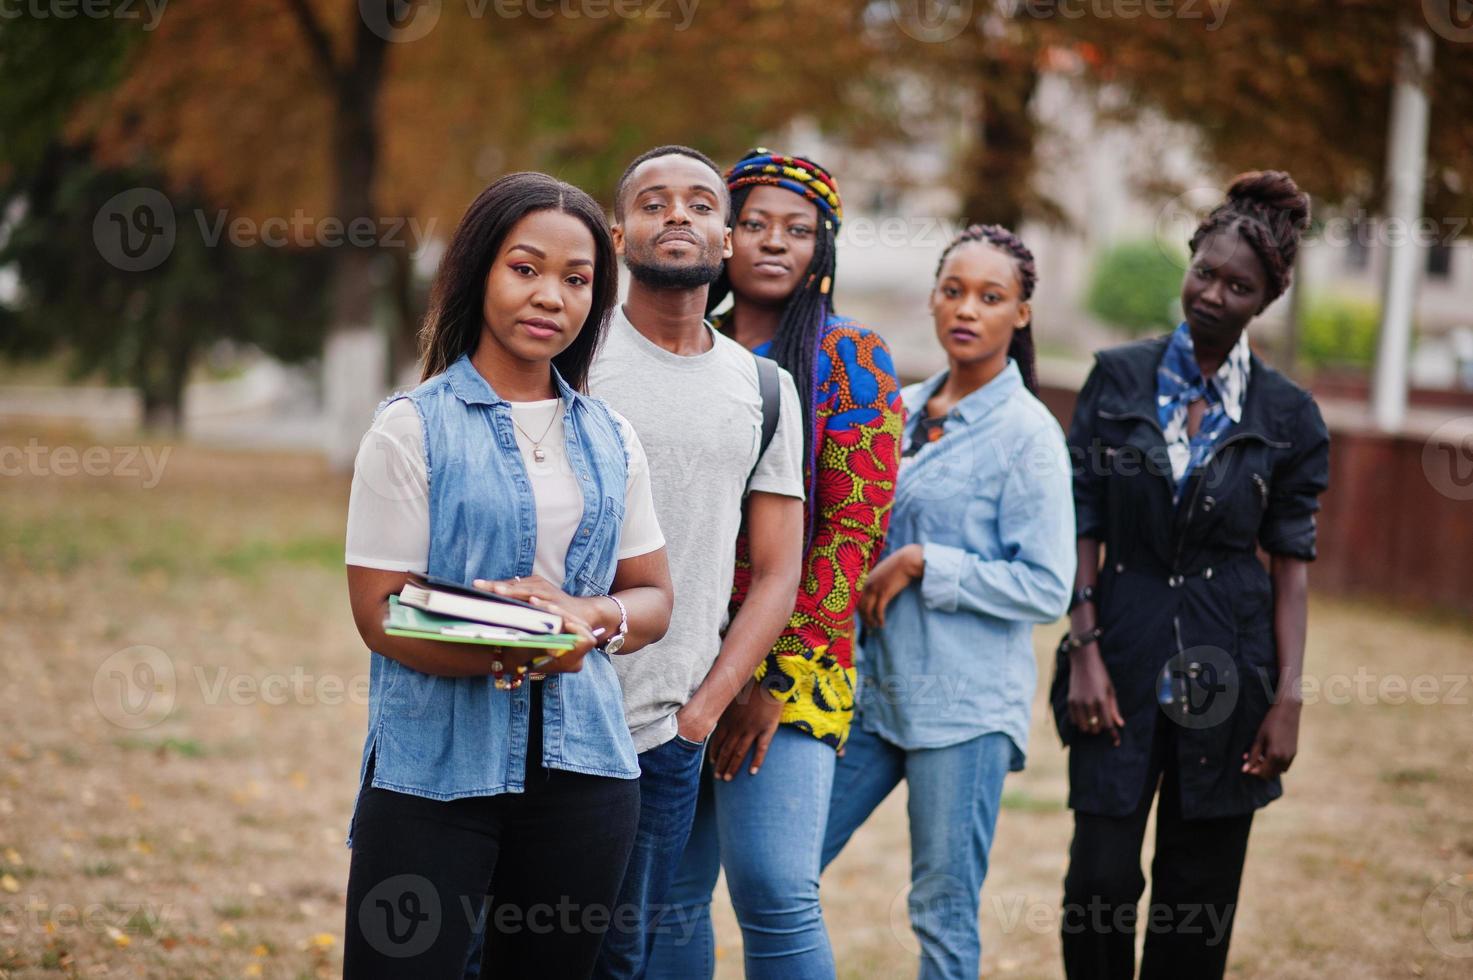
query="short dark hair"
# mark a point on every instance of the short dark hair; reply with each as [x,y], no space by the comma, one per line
[668,150]
[453,324]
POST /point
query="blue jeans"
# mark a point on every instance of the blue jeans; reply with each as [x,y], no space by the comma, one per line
[670,776]
[767,831]
[954,796]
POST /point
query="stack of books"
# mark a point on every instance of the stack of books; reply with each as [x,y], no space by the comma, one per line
[430,608]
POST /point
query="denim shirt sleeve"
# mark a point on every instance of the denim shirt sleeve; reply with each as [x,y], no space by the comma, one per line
[1035,526]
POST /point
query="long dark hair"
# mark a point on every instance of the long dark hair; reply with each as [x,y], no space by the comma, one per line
[453,324]
[1020,347]
[800,331]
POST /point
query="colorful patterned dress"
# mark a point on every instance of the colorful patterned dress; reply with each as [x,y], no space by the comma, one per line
[857,424]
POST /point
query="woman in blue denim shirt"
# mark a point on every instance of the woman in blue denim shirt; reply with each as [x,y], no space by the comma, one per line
[980,548]
[497,468]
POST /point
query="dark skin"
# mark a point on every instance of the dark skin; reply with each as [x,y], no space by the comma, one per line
[1225,288]
[977,305]
[674,213]
[537,299]
[772,248]
[674,216]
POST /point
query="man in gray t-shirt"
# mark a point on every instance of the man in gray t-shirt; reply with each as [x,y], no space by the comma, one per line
[699,417]
[692,396]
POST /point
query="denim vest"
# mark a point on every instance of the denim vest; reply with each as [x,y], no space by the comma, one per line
[452,737]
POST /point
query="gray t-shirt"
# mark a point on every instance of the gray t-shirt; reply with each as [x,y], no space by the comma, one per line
[700,420]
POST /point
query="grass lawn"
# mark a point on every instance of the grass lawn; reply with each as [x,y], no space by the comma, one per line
[199,833]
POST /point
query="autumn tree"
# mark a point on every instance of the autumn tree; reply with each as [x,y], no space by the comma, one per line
[1299,85]
[390,111]
[105,278]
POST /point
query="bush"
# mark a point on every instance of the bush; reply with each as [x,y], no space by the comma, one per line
[1339,333]
[1137,286]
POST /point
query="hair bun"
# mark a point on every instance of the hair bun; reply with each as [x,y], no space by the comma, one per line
[1272,190]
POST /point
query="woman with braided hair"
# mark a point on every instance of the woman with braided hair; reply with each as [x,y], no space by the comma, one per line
[762,817]
[1190,454]
[980,548]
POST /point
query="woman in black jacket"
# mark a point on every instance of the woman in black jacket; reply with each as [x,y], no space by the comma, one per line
[1183,660]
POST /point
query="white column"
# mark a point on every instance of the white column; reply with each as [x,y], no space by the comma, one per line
[1406,164]
[354,363]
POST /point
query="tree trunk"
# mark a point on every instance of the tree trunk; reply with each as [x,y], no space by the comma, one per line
[161,375]
[355,366]
[404,345]
[159,413]
[997,189]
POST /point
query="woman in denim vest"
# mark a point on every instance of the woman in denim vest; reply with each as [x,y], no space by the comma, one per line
[496,468]
[980,548]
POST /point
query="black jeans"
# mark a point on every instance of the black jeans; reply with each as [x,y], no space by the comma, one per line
[421,870]
[1194,885]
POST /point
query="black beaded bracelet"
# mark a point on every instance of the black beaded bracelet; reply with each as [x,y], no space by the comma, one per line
[1086,594]
[1071,642]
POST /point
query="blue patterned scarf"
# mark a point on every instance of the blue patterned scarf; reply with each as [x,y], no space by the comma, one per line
[1179,382]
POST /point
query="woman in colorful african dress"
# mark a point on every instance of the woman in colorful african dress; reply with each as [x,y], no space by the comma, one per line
[762,815]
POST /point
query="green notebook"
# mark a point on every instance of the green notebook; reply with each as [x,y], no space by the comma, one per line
[408,621]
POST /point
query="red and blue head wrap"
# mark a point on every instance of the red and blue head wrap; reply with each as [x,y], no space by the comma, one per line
[797,174]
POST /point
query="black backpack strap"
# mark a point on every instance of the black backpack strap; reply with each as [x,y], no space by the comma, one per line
[771,390]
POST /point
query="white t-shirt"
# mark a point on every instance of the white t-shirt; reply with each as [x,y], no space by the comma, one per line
[389,505]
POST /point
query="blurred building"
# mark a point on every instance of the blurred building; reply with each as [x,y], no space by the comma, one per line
[1114,183]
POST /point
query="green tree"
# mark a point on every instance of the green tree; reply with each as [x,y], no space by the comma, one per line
[143,319]
[1339,333]
[1136,287]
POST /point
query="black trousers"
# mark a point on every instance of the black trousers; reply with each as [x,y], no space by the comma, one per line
[1194,885]
[421,870]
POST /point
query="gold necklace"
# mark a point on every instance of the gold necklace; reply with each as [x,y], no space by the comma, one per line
[538,455]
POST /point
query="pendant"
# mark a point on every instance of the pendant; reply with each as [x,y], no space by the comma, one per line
[538,456]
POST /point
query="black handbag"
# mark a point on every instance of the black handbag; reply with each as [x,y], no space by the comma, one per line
[1058,692]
